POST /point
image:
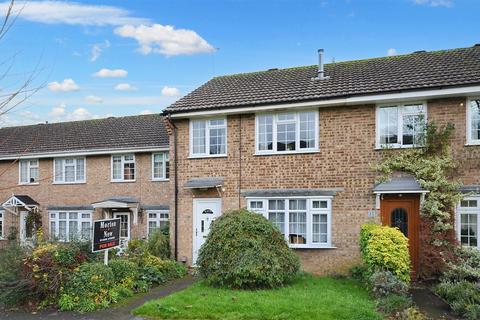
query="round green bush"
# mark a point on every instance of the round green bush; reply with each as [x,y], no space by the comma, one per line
[245,250]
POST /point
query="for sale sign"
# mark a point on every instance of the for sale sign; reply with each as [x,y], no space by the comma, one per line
[106,234]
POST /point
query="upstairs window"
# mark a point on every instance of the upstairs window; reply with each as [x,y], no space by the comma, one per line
[401,125]
[473,127]
[208,137]
[69,170]
[468,223]
[29,171]
[287,132]
[160,166]
[305,223]
[123,167]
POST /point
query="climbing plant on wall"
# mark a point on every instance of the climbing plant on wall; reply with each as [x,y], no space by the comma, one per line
[434,167]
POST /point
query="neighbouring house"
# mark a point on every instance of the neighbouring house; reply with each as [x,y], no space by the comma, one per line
[72,173]
[297,145]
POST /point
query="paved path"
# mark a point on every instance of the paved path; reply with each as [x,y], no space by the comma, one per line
[431,305]
[122,312]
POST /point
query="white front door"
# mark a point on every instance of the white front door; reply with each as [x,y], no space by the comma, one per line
[205,211]
[124,228]
[26,234]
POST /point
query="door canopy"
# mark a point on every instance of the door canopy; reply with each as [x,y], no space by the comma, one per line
[20,201]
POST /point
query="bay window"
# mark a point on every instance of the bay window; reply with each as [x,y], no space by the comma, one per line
[208,137]
[468,224]
[70,225]
[160,166]
[29,171]
[473,118]
[69,170]
[400,125]
[287,132]
[304,222]
[123,168]
[157,220]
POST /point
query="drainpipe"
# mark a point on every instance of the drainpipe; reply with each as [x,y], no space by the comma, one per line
[175,185]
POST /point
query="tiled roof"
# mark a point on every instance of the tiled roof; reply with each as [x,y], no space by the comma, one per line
[133,132]
[416,71]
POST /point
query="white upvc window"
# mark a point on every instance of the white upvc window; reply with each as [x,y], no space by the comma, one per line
[123,168]
[305,222]
[400,125]
[157,220]
[473,121]
[2,225]
[70,225]
[69,170]
[160,166]
[208,137]
[29,172]
[290,132]
[468,223]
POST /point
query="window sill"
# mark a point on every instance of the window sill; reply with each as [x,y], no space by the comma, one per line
[208,156]
[276,153]
[29,184]
[308,246]
[394,147]
[160,180]
[123,181]
[67,183]
[472,144]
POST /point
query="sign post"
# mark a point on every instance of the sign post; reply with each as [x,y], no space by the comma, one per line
[106,235]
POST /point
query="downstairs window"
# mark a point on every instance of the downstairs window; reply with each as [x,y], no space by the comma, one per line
[305,222]
[70,225]
[468,227]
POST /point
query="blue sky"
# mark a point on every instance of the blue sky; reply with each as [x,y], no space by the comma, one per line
[112,58]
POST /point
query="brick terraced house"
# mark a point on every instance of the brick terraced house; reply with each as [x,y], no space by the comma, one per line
[297,145]
[77,172]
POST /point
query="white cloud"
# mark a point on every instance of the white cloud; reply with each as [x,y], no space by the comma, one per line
[435,3]
[80,114]
[58,111]
[27,114]
[66,85]
[146,111]
[93,99]
[97,50]
[170,91]
[125,87]
[165,40]
[392,52]
[110,73]
[73,13]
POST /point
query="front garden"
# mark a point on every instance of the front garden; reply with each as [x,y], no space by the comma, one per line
[68,277]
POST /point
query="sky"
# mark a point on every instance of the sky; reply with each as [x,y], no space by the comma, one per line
[94,59]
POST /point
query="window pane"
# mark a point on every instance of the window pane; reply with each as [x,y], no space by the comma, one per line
[319,230]
[62,230]
[388,125]
[265,132]
[278,219]
[199,138]
[86,230]
[69,173]
[52,230]
[73,230]
[33,174]
[413,128]
[307,130]
[475,119]
[298,227]
[167,166]
[129,171]
[80,174]
[24,172]
[286,136]
[58,170]
[158,166]
[217,140]
[117,167]
[468,229]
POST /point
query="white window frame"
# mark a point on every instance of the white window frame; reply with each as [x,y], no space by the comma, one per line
[310,212]
[470,140]
[165,155]
[2,226]
[297,133]
[79,220]
[207,138]
[157,219]
[29,166]
[400,107]
[122,156]
[468,210]
[84,180]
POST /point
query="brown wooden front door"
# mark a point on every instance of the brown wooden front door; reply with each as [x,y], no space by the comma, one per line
[403,212]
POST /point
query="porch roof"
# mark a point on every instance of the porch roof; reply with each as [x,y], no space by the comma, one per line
[20,201]
[204,183]
[475,188]
[116,202]
[404,184]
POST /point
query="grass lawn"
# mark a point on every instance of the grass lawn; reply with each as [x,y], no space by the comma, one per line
[307,298]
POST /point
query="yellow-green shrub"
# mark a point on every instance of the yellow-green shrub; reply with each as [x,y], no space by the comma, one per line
[385,248]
